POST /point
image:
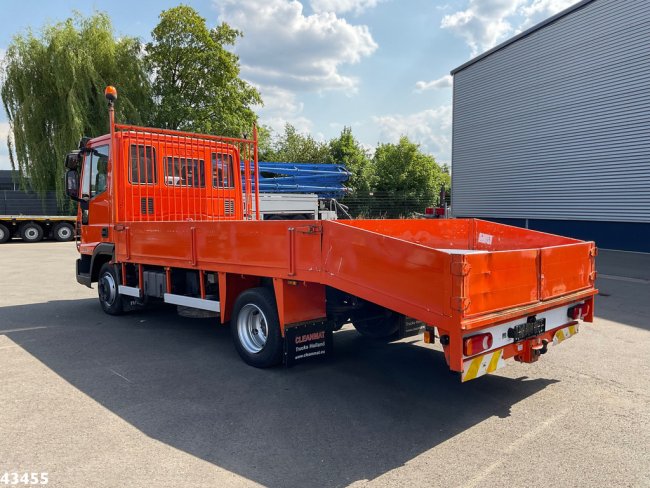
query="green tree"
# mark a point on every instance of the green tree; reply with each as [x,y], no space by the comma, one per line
[346,150]
[53,93]
[407,177]
[294,147]
[265,148]
[196,83]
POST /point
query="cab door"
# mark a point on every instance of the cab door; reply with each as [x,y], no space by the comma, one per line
[95,208]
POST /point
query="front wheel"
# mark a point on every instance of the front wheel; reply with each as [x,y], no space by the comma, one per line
[108,290]
[255,328]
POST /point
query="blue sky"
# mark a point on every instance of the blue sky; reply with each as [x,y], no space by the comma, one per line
[379,66]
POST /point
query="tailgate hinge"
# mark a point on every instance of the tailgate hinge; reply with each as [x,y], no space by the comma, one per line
[460,268]
[460,303]
[310,229]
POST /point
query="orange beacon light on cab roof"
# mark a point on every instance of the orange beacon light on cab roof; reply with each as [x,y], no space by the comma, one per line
[110,93]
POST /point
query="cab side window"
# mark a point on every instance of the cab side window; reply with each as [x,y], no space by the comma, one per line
[222,171]
[184,172]
[143,165]
[95,170]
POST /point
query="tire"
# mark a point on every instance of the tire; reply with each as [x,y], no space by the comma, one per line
[5,235]
[108,290]
[377,322]
[299,217]
[31,232]
[255,328]
[63,232]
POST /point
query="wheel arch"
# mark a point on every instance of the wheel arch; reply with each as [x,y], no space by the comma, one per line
[103,253]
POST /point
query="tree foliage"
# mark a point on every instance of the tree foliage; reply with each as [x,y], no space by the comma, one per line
[407,176]
[294,147]
[346,150]
[53,84]
[398,180]
[52,92]
[186,78]
[402,168]
[196,83]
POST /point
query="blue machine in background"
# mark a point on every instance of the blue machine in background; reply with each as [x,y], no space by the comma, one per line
[326,180]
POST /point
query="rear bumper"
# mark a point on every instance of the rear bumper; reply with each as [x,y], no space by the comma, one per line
[559,327]
[527,351]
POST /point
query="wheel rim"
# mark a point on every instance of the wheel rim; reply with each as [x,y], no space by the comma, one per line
[2,234]
[252,328]
[64,233]
[107,289]
[31,233]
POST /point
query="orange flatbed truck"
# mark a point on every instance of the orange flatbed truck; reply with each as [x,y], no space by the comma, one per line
[163,217]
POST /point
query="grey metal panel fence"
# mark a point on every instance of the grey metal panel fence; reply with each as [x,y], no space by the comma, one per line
[556,125]
[23,203]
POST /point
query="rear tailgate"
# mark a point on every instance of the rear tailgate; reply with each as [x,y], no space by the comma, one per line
[502,280]
[532,291]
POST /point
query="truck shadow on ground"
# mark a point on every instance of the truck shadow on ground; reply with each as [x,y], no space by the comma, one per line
[369,410]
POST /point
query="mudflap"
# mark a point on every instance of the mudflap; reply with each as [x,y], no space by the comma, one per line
[308,342]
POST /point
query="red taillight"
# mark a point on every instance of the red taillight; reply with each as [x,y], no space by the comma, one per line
[475,344]
[579,312]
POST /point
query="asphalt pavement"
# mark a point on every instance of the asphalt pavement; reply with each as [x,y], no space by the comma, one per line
[157,399]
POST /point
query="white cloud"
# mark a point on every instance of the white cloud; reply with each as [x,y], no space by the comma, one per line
[431,128]
[285,48]
[443,82]
[485,23]
[282,107]
[343,6]
[538,10]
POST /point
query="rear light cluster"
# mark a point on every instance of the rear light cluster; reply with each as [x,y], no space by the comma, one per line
[579,312]
[437,211]
[477,343]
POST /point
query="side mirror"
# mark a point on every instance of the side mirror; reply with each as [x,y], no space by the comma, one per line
[72,184]
[72,160]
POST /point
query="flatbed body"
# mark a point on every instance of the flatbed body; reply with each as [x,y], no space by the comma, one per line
[458,275]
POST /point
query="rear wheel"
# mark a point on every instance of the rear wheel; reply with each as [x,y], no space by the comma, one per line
[31,232]
[377,322]
[63,232]
[108,290]
[5,235]
[255,328]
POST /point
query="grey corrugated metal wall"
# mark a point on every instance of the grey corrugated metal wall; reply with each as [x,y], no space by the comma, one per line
[556,125]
